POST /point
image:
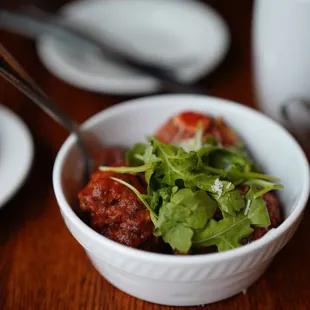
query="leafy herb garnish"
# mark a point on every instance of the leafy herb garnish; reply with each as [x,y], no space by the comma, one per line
[225,234]
[256,210]
[186,212]
[186,185]
[134,157]
[231,202]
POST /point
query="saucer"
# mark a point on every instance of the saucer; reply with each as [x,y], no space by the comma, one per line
[188,36]
[16,153]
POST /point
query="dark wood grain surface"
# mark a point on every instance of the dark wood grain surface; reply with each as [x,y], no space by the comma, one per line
[43,267]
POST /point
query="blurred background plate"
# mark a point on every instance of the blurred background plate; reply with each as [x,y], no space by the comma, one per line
[187,36]
[16,153]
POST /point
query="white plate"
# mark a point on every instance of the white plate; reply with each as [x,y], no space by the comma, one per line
[170,32]
[16,153]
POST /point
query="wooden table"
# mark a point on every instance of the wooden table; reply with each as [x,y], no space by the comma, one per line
[43,267]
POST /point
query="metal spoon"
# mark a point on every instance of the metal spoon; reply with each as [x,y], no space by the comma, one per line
[16,75]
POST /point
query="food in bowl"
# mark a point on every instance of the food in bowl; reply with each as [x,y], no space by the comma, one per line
[192,188]
[185,280]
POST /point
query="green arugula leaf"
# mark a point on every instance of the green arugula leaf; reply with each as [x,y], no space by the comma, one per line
[149,156]
[202,206]
[210,184]
[186,211]
[209,139]
[180,182]
[228,160]
[161,196]
[264,185]
[231,202]
[166,192]
[171,221]
[131,170]
[241,150]
[151,159]
[175,162]
[256,209]
[226,234]
[232,175]
[203,155]
[179,237]
[134,157]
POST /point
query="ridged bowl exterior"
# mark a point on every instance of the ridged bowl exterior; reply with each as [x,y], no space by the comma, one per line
[177,284]
[186,280]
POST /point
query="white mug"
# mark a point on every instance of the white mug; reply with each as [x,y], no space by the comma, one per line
[281,61]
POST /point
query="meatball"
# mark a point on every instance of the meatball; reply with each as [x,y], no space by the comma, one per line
[223,133]
[114,210]
[184,126]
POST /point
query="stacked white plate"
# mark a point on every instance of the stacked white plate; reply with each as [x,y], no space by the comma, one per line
[186,35]
[16,154]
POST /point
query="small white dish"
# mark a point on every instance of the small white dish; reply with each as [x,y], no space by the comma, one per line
[195,279]
[16,154]
[187,35]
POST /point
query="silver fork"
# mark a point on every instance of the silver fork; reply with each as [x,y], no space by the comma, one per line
[16,75]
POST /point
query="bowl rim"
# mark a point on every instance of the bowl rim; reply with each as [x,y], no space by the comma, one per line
[68,212]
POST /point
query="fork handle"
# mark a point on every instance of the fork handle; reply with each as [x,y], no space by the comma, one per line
[13,73]
[17,76]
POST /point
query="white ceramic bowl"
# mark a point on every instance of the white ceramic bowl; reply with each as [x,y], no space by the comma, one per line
[186,280]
